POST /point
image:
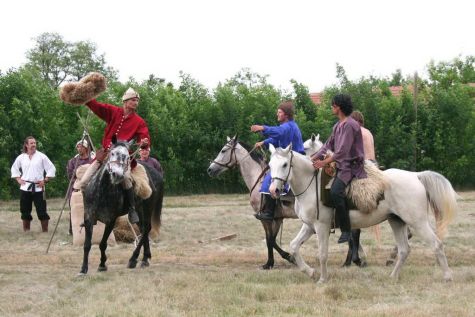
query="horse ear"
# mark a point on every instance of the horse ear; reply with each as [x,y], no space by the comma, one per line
[288,148]
[313,137]
[235,137]
[317,137]
[271,148]
[130,143]
[114,139]
[229,139]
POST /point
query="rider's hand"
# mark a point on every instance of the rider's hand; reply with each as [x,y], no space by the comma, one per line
[259,144]
[318,164]
[257,128]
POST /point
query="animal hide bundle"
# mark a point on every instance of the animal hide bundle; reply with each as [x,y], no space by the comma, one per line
[367,192]
[140,180]
[88,88]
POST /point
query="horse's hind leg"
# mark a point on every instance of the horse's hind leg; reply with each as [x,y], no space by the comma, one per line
[146,246]
[400,234]
[103,246]
[428,234]
[87,246]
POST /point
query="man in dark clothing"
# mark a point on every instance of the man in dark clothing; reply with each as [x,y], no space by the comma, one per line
[346,143]
[150,161]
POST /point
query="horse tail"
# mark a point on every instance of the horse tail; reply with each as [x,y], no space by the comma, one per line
[157,210]
[441,197]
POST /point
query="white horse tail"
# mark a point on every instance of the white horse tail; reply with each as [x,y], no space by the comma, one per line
[441,197]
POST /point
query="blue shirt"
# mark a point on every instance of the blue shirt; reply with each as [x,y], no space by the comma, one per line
[284,134]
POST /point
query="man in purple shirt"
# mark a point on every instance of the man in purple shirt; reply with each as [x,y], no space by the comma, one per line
[150,161]
[346,143]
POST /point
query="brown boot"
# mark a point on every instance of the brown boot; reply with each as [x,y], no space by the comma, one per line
[44,225]
[26,225]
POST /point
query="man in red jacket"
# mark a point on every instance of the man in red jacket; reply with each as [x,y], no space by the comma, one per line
[125,124]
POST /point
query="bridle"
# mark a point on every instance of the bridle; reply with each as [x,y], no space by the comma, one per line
[229,164]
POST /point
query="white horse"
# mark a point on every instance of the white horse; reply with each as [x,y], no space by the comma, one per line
[406,203]
[252,167]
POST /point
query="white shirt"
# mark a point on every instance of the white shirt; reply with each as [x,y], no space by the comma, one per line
[32,170]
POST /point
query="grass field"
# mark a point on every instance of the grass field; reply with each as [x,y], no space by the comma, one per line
[222,278]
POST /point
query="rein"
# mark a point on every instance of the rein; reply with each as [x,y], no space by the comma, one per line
[229,164]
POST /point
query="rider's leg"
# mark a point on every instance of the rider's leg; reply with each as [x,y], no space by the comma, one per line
[81,184]
[268,208]
[130,198]
[339,200]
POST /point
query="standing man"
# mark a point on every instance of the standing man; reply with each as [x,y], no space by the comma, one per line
[346,143]
[125,124]
[29,171]
[282,135]
[150,161]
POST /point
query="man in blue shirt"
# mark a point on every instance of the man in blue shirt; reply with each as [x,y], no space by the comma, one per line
[281,136]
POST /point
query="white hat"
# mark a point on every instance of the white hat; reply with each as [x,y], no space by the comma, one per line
[129,94]
[82,142]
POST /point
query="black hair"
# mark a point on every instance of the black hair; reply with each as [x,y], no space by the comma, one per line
[344,102]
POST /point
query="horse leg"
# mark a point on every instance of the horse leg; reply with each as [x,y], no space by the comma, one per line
[87,246]
[146,244]
[285,255]
[304,234]
[399,228]
[428,234]
[393,255]
[323,233]
[103,246]
[270,244]
[133,259]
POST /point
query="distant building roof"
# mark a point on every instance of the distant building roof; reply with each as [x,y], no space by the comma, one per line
[316,97]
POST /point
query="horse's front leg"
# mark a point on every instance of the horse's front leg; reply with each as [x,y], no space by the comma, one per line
[269,243]
[304,234]
[275,228]
[103,245]
[87,246]
[323,234]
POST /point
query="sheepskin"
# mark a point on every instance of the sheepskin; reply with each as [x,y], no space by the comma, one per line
[366,192]
[88,88]
[140,180]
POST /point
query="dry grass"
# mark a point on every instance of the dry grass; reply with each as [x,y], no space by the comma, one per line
[221,278]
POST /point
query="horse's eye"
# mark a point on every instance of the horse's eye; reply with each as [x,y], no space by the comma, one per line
[285,164]
[223,151]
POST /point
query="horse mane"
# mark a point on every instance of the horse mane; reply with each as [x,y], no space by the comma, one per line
[256,156]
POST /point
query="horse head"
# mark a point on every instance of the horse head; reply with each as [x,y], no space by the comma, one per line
[312,145]
[280,164]
[226,158]
[119,159]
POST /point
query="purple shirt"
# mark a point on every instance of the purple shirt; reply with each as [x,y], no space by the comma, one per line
[346,143]
[153,163]
[74,163]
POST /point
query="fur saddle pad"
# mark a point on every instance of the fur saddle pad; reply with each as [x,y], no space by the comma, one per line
[367,192]
[141,184]
[363,194]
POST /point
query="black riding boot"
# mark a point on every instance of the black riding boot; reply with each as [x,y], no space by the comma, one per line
[341,209]
[130,205]
[268,208]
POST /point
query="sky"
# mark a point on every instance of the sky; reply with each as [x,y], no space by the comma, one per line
[213,40]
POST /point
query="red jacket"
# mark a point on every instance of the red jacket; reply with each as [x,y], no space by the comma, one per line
[132,127]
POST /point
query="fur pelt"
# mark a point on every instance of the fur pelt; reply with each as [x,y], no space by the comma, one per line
[88,88]
[141,183]
[366,192]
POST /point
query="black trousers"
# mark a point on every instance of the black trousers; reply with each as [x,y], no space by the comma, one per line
[338,195]
[26,205]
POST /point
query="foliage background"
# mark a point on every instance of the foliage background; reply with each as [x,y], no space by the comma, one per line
[189,123]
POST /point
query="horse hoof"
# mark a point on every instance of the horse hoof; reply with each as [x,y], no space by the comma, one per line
[144,264]
[362,264]
[346,264]
[267,266]
[389,262]
[291,259]
[81,274]
[102,268]
[132,264]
